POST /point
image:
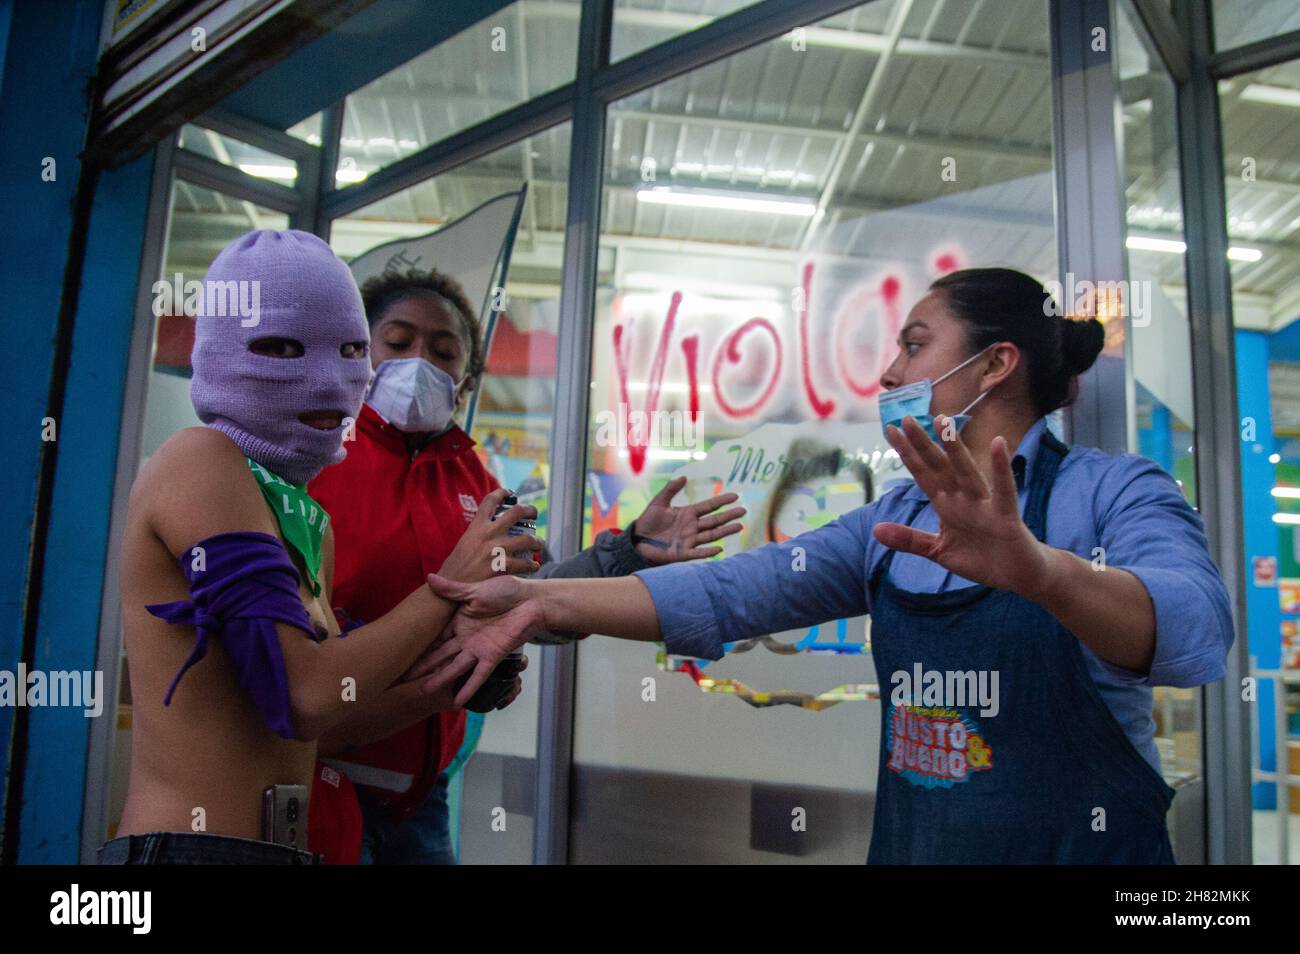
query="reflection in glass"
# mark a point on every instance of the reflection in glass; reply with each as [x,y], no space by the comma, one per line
[1238,22]
[524,50]
[246,158]
[641,24]
[1262,186]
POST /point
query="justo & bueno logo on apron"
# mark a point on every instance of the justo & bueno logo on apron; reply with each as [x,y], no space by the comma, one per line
[935,747]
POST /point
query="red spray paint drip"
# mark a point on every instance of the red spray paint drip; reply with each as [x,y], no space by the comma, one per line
[637,438]
[823,409]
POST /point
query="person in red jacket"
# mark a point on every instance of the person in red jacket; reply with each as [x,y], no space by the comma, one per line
[412,497]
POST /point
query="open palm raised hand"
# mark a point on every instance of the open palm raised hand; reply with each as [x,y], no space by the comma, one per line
[668,534]
[981,535]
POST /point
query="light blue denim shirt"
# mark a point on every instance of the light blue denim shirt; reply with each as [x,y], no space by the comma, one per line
[1126,504]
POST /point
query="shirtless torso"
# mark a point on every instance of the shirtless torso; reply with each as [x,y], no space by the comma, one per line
[210,749]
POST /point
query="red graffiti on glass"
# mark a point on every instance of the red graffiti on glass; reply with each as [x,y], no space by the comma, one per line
[851,310]
[823,409]
[858,368]
[638,434]
[730,349]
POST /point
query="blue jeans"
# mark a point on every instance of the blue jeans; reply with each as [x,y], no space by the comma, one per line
[423,839]
[196,848]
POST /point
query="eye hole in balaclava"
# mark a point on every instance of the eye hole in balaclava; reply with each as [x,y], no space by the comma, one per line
[276,347]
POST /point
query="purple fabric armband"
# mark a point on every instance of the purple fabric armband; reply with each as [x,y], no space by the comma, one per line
[243,585]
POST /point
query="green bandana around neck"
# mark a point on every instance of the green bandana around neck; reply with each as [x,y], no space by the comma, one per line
[302,520]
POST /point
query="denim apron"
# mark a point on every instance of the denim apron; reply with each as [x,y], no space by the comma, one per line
[1050,778]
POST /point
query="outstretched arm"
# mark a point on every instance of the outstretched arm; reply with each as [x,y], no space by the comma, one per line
[1157,565]
[198,487]
[695,608]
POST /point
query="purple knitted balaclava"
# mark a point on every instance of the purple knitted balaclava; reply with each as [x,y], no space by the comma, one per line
[283,285]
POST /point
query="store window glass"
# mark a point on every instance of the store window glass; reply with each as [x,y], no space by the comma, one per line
[1238,22]
[309,130]
[1261,142]
[524,50]
[1163,424]
[200,223]
[767,223]
[641,24]
[511,423]
[245,157]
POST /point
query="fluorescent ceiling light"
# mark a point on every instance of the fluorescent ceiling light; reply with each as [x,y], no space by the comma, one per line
[350,175]
[665,195]
[1287,518]
[1144,243]
[1291,493]
[1274,95]
[263,171]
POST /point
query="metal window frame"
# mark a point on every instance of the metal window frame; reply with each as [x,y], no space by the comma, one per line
[1090,226]
[1269,51]
[103,731]
[228,180]
[558,677]
[1165,37]
[1226,736]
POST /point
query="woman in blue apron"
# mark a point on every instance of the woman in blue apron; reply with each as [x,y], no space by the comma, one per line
[1023,604]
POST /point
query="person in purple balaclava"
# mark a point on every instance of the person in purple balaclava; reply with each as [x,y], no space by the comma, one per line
[235,659]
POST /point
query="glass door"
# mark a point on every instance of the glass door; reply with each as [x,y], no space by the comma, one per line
[767,222]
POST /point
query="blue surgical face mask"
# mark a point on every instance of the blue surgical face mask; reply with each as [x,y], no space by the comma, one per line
[913,400]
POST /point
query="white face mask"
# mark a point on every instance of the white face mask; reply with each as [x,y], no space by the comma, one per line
[413,395]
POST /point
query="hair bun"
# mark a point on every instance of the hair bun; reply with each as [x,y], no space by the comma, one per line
[1081,342]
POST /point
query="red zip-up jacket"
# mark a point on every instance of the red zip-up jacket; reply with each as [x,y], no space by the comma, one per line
[396,518]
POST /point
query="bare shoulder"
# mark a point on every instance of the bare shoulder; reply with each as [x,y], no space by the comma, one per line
[195,486]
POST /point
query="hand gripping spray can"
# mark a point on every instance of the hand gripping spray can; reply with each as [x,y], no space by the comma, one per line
[502,680]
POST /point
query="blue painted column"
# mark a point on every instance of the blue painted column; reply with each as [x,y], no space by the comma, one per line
[1157,441]
[77,547]
[1263,611]
[47,59]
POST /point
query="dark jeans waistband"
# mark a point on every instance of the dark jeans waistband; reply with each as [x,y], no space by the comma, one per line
[195,848]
